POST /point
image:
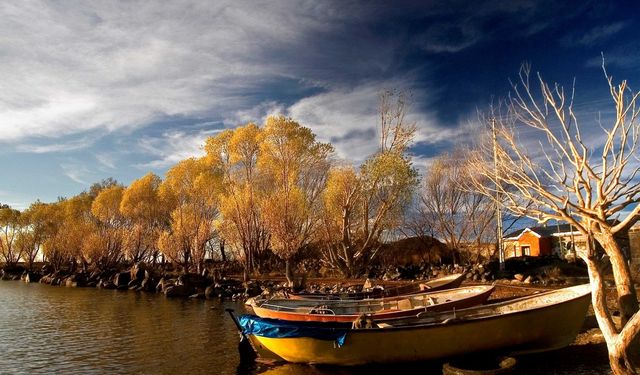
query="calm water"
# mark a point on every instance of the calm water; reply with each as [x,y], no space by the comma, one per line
[55,330]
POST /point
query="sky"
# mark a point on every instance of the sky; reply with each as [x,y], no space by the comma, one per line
[97,89]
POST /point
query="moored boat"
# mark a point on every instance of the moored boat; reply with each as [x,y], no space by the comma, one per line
[441,283]
[377,309]
[540,322]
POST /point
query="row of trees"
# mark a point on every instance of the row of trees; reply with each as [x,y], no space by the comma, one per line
[257,191]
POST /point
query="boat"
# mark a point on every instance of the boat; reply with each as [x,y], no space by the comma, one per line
[441,283]
[540,322]
[379,309]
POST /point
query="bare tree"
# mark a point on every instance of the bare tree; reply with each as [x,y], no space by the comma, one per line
[594,187]
[396,131]
[459,216]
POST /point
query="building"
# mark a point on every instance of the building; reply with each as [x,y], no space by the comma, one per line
[562,240]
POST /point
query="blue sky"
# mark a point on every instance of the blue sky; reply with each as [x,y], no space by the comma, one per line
[98,89]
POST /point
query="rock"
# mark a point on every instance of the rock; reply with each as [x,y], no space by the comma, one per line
[138,271]
[528,280]
[210,292]
[518,276]
[178,291]
[32,277]
[367,284]
[122,279]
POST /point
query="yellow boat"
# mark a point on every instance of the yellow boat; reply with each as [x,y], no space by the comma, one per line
[539,322]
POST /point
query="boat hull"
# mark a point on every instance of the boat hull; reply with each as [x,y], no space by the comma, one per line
[538,329]
[379,310]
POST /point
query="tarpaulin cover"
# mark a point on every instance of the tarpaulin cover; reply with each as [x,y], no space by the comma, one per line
[253,325]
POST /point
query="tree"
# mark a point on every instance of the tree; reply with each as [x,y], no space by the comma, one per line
[459,215]
[146,215]
[359,207]
[70,222]
[594,187]
[103,246]
[35,225]
[10,227]
[296,168]
[191,191]
[235,154]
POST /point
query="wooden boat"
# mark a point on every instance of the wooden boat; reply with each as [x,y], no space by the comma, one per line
[441,283]
[377,309]
[539,322]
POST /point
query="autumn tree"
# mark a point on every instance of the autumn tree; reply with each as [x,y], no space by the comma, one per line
[360,206]
[235,154]
[71,222]
[35,227]
[103,246]
[10,228]
[295,167]
[190,190]
[145,215]
[566,176]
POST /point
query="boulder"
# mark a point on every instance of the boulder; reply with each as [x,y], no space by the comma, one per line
[178,291]
[138,271]
[121,279]
[211,292]
[32,277]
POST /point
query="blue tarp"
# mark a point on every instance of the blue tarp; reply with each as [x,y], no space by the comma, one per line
[253,325]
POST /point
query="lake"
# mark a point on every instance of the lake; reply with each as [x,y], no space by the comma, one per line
[57,330]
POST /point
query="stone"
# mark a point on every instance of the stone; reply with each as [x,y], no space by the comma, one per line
[122,279]
[528,280]
[178,291]
[367,284]
[518,276]
[138,271]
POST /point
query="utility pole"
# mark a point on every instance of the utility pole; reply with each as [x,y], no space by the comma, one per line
[498,212]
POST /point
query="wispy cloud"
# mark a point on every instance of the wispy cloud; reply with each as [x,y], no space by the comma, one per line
[65,145]
[76,172]
[112,66]
[172,147]
[107,160]
[594,35]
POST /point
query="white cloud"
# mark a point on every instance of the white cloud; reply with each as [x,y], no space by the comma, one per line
[595,35]
[107,160]
[172,147]
[69,68]
[76,172]
[348,118]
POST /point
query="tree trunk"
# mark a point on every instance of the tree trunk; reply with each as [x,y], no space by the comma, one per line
[619,345]
[620,362]
[222,253]
[627,298]
[288,272]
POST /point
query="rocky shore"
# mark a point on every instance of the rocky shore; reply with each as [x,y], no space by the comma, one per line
[209,284]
